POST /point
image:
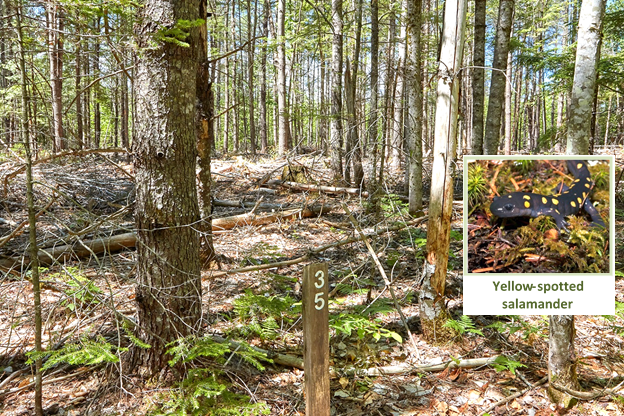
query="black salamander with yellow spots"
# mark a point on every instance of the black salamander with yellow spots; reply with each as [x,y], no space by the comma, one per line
[568,201]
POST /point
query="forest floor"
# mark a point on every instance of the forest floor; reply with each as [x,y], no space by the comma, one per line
[256,306]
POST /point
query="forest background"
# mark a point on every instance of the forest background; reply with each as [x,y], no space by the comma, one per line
[134,132]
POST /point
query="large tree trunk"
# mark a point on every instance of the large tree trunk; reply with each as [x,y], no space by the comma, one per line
[168,292]
[55,52]
[562,358]
[491,138]
[336,101]
[478,78]
[433,313]
[584,84]
[413,80]
[284,122]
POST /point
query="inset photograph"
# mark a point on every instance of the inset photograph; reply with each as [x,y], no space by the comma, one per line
[538,216]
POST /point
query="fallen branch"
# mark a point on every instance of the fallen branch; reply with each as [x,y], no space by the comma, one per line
[119,242]
[18,230]
[318,188]
[245,204]
[83,152]
[514,396]
[587,395]
[428,368]
[296,362]
[227,223]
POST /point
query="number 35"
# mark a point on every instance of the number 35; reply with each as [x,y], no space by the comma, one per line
[319,301]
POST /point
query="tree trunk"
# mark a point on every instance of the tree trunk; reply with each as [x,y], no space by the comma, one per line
[373,129]
[284,122]
[491,138]
[585,69]
[204,122]
[79,129]
[32,220]
[168,292]
[399,121]
[508,107]
[562,358]
[433,313]
[336,104]
[264,143]
[478,78]
[413,80]
[97,114]
[251,30]
[55,52]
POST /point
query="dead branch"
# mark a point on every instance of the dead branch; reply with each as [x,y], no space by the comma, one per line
[83,152]
[318,188]
[245,204]
[587,395]
[18,230]
[128,240]
[227,223]
[514,396]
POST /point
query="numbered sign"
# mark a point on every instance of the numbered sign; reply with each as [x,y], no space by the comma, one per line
[316,339]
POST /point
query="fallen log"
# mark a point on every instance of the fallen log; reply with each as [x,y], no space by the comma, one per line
[227,223]
[82,249]
[246,204]
[318,188]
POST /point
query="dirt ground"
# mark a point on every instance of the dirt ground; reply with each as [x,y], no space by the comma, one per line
[97,191]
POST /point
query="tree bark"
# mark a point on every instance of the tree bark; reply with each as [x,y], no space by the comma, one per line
[508,107]
[584,84]
[55,52]
[491,139]
[413,80]
[433,313]
[373,129]
[204,124]
[562,358]
[168,293]
[478,78]
[264,142]
[336,101]
[284,122]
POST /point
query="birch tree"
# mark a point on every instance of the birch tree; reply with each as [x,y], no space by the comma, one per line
[561,356]
[585,69]
[433,313]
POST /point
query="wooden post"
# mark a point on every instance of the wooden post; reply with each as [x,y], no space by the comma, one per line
[316,339]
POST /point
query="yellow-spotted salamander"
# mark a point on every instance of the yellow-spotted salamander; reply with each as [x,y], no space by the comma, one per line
[568,201]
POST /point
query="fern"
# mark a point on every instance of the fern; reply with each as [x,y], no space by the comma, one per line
[463,325]
[347,323]
[503,363]
[264,315]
